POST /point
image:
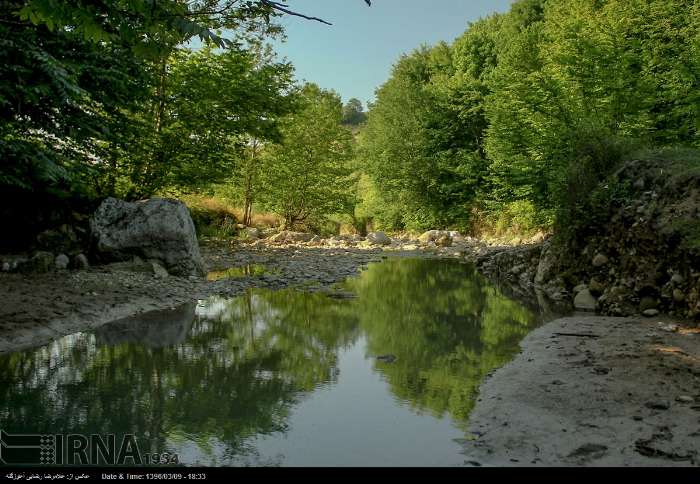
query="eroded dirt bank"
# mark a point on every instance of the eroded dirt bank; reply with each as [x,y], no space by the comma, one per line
[593,391]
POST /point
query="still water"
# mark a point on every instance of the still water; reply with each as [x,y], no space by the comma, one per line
[283,378]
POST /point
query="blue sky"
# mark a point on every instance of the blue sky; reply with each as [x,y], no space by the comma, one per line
[354,56]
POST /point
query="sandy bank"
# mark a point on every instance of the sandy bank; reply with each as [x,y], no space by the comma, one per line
[593,391]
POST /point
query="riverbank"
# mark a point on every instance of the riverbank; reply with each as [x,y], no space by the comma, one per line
[38,308]
[586,390]
[593,391]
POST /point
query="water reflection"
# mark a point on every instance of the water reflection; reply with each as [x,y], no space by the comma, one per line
[237,381]
[249,270]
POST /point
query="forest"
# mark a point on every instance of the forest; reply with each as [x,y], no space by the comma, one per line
[508,128]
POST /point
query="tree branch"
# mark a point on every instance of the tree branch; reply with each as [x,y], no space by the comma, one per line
[281,7]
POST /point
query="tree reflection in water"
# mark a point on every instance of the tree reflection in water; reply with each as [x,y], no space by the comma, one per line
[214,376]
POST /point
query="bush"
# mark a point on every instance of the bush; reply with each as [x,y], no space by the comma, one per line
[211,217]
[595,160]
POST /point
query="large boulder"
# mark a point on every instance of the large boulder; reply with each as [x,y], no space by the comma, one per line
[443,238]
[378,238]
[158,229]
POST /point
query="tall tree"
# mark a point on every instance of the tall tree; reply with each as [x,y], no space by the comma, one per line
[354,113]
[305,177]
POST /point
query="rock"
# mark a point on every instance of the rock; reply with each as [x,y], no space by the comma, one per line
[678,296]
[648,303]
[6,267]
[158,229]
[658,405]
[547,265]
[585,301]
[159,271]
[580,288]
[40,262]
[62,239]
[80,262]
[596,287]
[378,238]
[600,260]
[444,241]
[677,279]
[288,236]
[61,262]
[538,238]
[252,233]
[650,313]
[434,236]
[685,399]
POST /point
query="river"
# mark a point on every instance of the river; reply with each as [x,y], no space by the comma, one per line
[384,376]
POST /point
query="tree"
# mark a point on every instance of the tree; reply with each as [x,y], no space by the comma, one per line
[305,177]
[354,113]
[421,145]
[214,102]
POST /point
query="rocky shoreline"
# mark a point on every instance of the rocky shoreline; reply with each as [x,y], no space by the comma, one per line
[39,307]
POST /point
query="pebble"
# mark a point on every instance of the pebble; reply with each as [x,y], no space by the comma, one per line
[650,313]
[685,399]
[658,405]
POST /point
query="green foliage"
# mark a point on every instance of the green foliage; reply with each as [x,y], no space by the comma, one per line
[414,147]
[306,175]
[535,106]
[207,105]
[354,113]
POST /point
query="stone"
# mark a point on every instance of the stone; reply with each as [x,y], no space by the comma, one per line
[159,271]
[585,301]
[433,236]
[6,267]
[41,261]
[685,399]
[650,313]
[658,405]
[600,260]
[678,296]
[444,241]
[546,268]
[677,279]
[159,229]
[596,287]
[648,303]
[63,238]
[80,262]
[378,238]
[288,236]
[61,262]
[252,233]
[580,288]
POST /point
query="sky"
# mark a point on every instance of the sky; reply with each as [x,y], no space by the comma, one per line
[354,56]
